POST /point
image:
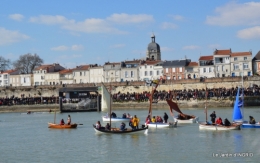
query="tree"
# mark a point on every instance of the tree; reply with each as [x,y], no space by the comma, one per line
[4,63]
[27,62]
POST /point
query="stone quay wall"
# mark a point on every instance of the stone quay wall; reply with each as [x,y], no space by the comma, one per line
[136,86]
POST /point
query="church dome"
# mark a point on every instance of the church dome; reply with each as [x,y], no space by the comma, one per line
[153,46]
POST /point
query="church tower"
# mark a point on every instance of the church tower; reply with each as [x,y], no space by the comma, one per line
[153,50]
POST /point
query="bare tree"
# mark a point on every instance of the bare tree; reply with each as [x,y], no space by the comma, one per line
[4,63]
[27,62]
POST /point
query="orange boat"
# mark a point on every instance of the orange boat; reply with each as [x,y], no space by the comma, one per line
[65,126]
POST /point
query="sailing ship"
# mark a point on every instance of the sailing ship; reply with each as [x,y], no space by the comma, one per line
[237,114]
[105,105]
[106,96]
[157,124]
[181,118]
[207,126]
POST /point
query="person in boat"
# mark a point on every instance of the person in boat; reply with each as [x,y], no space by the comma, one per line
[165,117]
[131,123]
[251,120]
[226,122]
[113,115]
[135,122]
[128,115]
[124,115]
[50,110]
[122,126]
[159,119]
[213,117]
[108,126]
[219,121]
[62,122]
[148,119]
[29,112]
[98,125]
[69,120]
[153,120]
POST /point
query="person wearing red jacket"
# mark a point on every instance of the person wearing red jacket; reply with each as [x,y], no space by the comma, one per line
[219,121]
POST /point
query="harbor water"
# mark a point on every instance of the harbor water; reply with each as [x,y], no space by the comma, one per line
[26,138]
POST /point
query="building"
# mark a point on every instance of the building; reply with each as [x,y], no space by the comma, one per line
[147,70]
[7,80]
[175,69]
[112,71]
[130,70]
[206,67]
[256,63]
[40,71]
[192,70]
[241,64]
[81,74]
[222,63]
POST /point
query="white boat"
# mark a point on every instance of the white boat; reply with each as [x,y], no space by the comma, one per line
[117,119]
[204,126]
[184,121]
[157,124]
[216,127]
[162,125]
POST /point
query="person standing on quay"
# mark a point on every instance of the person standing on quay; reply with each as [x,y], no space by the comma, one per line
[213,117]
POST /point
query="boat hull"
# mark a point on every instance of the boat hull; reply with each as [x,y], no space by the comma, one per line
[247,125]
[191,120]
[117,119]
[162,125]
[204,126]
[117,131]
[65,126]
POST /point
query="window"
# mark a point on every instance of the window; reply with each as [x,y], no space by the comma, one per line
[236,67]
[132,74]
[145,73]
[84,73]
[145,66]
[117,73]
[157,72]
[126,74]
[151,73]
[245,66]
[235,59]
[151,66]
[80,73]
[245,58]
[24,80]
[180,69]
[166,70]
[217,68]
[173,69]
[222,68]
[179,77]
[210,69]
[204,69]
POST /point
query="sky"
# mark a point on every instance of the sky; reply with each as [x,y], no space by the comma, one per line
[80,32]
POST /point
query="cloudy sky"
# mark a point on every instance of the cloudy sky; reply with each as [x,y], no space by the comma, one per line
[96,31]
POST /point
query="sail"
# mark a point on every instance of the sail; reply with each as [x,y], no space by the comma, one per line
[237,115]
[173,106]
[156,82]
[106,98]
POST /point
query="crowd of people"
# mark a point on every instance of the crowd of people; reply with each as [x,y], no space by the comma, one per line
[186,94]
[219,93]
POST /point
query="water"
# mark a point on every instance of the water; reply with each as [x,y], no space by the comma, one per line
[27,139]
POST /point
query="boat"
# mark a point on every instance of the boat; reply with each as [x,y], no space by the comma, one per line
[144,130]
[157,124]
[181,118]
[107,96]
[209,126]
[237,113]
[59,126]
[206,126]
